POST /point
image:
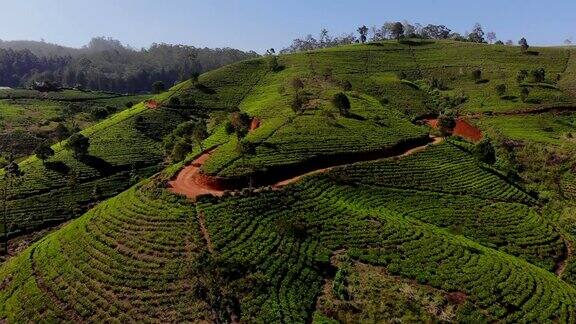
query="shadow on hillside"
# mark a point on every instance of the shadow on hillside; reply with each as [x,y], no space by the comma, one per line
[270,145]
[57,166]
[205,89]
[103,167]
[355,116]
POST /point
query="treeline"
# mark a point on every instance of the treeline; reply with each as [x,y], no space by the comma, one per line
[105,64]
[392,30]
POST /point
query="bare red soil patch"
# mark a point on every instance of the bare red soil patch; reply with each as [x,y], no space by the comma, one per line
[254,124]
[463,129]
[152,104]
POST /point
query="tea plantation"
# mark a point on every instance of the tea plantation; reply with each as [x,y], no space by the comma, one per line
[380,216]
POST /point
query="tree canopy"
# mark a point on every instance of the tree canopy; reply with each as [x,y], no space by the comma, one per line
[78,144]
[106,64]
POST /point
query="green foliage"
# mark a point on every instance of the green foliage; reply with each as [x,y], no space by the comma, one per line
[92,67]
[524,93]
[485,152]
[538,75]
[239,123]
[181,148]
[521,76]
[273,65]
[446,123]
[477,74]
[342,103]
[44,151]
[78,144]
[500,89]
[174,102]
[158,87]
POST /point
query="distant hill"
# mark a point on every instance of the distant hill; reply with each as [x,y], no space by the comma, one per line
[106,64]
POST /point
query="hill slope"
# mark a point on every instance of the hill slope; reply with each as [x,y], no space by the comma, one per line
[456,237]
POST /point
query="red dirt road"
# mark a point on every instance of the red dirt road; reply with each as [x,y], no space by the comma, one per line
[189,180]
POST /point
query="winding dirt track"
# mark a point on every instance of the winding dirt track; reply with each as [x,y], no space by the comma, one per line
[188,183]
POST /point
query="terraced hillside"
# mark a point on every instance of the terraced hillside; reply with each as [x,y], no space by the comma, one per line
[149,255]
[28,117]
[433,231]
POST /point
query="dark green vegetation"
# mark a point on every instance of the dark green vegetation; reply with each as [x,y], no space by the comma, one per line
[29,117]
[437,234]
[106,64]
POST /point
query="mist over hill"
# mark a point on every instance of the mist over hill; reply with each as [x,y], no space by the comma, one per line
[107,64]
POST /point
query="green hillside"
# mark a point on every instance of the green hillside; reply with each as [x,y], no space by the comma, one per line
[432,229]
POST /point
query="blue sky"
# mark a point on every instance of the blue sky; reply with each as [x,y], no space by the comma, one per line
[260,24]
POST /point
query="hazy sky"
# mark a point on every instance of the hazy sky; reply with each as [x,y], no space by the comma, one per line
[260,24]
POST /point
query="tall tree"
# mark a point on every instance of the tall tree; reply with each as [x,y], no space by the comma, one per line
[158,87]
[397,30]
[342,103]
[491,37]
[363,31]
[477,34]
[523,44]
[44,151]
[78,144]
[436,32]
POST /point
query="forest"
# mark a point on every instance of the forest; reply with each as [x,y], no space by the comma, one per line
[108,65]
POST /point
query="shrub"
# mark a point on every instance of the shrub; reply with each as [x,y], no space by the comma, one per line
[477,74]
[523,44]
[346,85]
[501,89]
[342,103]
[297,103]
[240,123]
[521,76]
[273,64]
[158,87]
[174,102]
[245,147]
[485,152]
[446,123]
[99,113]
[524,93]
[187,100]
[297,84]
[436,83]
[538,75]
[180,150]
